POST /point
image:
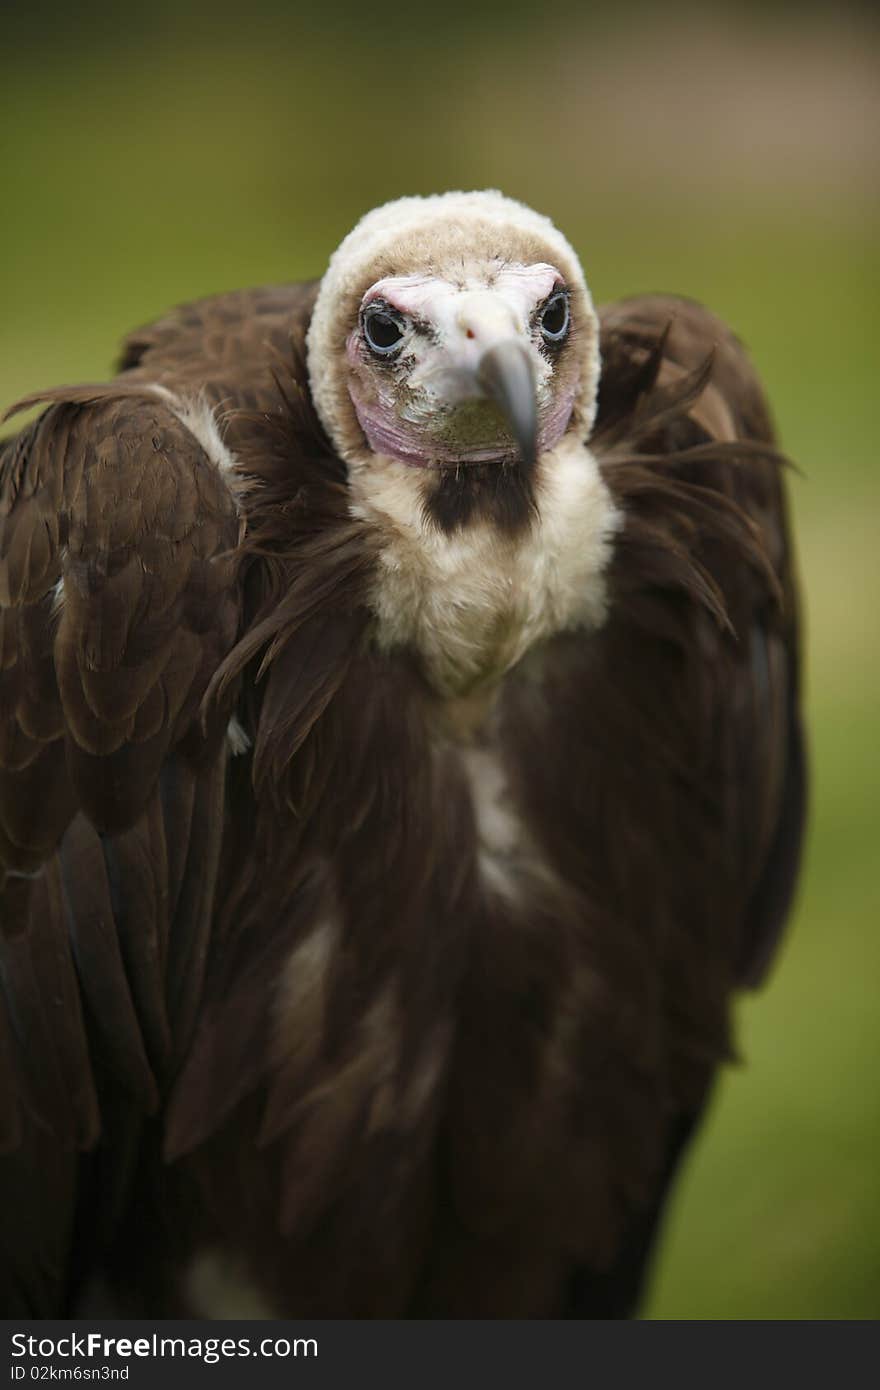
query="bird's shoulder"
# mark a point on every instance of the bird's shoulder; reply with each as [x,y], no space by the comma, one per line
[732,402]
[222,338]
[704,586]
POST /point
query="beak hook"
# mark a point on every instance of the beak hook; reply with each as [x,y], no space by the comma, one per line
[507,376]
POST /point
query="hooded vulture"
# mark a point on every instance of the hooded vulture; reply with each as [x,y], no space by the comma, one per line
[400,772]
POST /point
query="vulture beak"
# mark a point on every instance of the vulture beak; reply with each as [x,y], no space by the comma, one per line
[506,374]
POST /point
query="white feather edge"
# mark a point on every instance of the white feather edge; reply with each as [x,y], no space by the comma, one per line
[198,416]
[237,736]
[57,599]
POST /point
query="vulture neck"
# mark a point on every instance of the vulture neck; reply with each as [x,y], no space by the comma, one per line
[471,600]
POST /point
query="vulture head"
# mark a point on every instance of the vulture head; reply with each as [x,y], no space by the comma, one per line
[453,359]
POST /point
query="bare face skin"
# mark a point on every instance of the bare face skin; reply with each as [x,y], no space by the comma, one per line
[478,371]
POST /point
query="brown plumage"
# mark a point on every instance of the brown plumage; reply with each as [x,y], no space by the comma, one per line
[265,1013]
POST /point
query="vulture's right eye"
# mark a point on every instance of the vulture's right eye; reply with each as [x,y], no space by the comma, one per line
[383,330]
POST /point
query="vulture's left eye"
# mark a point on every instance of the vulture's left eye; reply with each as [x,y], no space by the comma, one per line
[383,330]
[555,317]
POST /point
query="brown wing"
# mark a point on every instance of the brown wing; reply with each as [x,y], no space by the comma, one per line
[118,601]
[757,646]
[694,684]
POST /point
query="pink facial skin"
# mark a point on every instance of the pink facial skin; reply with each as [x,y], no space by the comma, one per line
[387,434]
[423,407]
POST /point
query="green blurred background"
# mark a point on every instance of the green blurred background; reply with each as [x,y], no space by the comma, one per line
[152,154]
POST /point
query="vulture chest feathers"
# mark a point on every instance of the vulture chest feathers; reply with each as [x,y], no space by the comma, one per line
[400,771]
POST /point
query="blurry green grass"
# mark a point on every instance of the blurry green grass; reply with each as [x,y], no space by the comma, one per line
[136,176]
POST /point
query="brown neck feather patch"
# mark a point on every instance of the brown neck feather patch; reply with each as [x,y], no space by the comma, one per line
[500,494]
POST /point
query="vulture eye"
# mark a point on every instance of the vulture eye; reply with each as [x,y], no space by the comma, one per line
[383,330]
[555,317]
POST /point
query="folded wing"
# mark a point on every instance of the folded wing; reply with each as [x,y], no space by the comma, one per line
[119,598]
